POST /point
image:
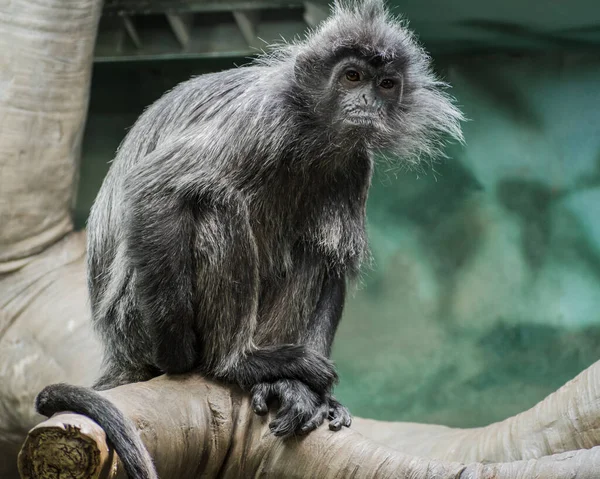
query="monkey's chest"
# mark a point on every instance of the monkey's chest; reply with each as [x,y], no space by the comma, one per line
[308,235]
[310,216]
[277,237]
[299,236]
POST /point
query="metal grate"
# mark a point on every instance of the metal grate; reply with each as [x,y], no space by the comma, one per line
[167,29]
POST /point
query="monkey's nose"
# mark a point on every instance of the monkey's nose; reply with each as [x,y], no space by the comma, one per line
[365,99]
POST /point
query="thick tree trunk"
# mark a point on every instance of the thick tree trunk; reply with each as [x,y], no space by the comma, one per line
[197,428]
[46,52]
[45,69]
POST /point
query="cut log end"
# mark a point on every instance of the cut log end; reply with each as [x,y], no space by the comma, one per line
[66,443]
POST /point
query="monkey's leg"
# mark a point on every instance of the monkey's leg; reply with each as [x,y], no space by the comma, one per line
[118,373]
[160,233]
[227,283]
[196,278]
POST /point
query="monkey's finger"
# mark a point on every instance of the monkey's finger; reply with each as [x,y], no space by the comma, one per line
[288,418]
[261,395]
[287,421]
[339,415]
[297,406]
[316,420]
[283,427]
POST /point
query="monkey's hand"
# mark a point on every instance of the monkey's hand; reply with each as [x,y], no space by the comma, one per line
[301,410]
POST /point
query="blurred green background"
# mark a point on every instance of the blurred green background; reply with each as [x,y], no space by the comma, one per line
[484,295]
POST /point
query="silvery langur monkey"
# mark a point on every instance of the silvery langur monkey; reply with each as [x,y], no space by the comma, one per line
[234,212]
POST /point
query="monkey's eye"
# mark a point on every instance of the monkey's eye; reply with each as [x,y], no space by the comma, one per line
[352,75]
[387,84]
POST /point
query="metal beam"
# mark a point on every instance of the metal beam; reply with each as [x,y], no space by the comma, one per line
[117,7]
[168,29]
[247,21]
[131,31]
[315,13]
[181,26]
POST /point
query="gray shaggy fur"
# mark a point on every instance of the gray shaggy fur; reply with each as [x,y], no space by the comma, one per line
[234,212]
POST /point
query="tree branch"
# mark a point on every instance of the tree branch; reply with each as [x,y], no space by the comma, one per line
[193,427]
[567,420]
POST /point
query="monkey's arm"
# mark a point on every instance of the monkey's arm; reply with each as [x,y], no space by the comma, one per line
[234,442]
[322,328]
[307,408]
[326,317]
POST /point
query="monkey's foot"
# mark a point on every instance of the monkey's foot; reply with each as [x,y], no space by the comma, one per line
[301,410]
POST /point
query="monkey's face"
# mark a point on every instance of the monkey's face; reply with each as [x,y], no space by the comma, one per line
[364,95]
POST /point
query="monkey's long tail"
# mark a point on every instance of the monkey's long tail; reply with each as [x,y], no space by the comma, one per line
[120,430]
[287,361]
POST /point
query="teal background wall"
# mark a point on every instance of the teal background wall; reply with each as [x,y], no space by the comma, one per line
[484,295]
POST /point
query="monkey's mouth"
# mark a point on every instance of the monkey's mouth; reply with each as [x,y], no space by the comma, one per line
[364,120]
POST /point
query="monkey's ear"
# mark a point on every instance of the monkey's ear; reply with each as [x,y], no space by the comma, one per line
[305,67]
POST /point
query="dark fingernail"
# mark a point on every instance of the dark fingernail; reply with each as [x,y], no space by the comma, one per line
[335,426]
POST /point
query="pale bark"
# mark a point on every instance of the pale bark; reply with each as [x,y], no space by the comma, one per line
[46,53]
[196,428]
[567,420]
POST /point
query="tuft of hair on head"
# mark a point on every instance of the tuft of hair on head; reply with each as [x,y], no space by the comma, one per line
[365,8]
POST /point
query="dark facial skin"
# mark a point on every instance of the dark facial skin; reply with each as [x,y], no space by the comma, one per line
[365,93]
